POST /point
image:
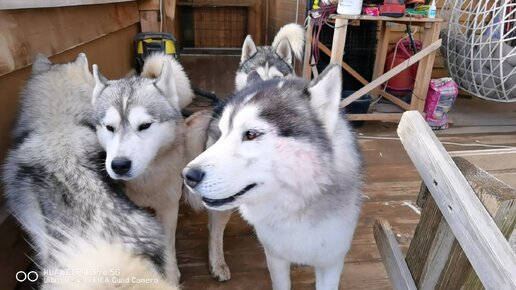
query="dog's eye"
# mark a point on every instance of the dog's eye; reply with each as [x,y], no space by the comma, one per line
[110,128]
[144,126]
[250,135]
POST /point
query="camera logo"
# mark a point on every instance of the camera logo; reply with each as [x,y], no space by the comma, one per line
[22,276]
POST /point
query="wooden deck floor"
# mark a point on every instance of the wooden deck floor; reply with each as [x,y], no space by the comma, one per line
[392,184]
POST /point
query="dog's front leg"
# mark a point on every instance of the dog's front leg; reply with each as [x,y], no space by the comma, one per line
[168,217]
[327,278]
[279,270]
[217,223]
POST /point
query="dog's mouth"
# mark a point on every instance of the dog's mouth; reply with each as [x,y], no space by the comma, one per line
[220,202]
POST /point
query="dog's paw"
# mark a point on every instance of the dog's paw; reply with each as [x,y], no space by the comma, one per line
[221,272]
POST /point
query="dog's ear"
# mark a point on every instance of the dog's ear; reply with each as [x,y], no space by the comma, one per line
[100,83]
[166,83]
[326,91]
[284,50]
[41,64]
[82,61]
[248,49]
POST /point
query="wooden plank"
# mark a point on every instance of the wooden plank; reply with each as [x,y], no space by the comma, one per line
[484,245]
[424,235]
[307,66]
[387,117]
[437,256]
[450,268]
[339,40]
[149,21]
[391,73]
[24,4]
[499,200]
[23,33]
[381,53]
[483,152]
[424,70]
[385,18]
[392,257]
[148,5]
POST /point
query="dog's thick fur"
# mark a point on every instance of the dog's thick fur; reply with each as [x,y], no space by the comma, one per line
[275,61]
[257,64]
[154,155]
[54,184]
[289,162]
[152,69]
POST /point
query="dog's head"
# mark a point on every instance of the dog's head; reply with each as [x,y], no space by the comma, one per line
[135,118]
[269,62]
[276,140]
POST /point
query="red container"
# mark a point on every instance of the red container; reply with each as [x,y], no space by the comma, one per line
[404,81]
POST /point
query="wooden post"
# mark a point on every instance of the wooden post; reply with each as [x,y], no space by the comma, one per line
[478,235]
[392,257]
[381,53]
[339,40]
[308,51]
[424,70]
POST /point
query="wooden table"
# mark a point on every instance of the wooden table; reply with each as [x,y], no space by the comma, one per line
[430,41]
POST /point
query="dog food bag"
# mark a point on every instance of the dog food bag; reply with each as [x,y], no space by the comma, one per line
[441,96]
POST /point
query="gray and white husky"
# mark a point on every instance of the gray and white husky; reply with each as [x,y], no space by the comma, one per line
[289,163]
[257,64]
[275,61]
[139,124]
[77,218]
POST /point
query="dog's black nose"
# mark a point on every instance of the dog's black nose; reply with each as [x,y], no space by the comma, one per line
[193,176]
[121,165]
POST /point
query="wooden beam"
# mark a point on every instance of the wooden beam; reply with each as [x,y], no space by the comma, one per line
[483,152]
[308,51]
[24,4]
[365,82]
[339,40]
[499,200]
[391,73]
[387,117]
[424,70]
[392,258]
[483,243]
[448,268]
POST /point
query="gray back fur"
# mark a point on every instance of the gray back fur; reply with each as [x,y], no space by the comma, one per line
[54,174]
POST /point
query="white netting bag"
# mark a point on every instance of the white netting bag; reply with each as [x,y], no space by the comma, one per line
[479,47]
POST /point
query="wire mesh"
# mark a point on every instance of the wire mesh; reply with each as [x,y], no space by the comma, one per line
[220,27]
[479,51]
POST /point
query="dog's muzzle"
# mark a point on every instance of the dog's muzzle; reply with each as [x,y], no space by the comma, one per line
[220,202]
[192,176]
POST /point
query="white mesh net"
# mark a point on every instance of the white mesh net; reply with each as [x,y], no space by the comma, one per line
[479,47]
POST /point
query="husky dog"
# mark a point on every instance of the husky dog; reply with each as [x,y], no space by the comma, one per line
[273,61]
[289,162]
[257,64]
[139,124]
[77,218]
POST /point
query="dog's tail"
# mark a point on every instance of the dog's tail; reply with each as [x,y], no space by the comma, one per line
[295,34]
[152,69]
[97,264]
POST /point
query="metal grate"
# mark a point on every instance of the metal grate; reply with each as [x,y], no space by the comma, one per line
[220,27]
